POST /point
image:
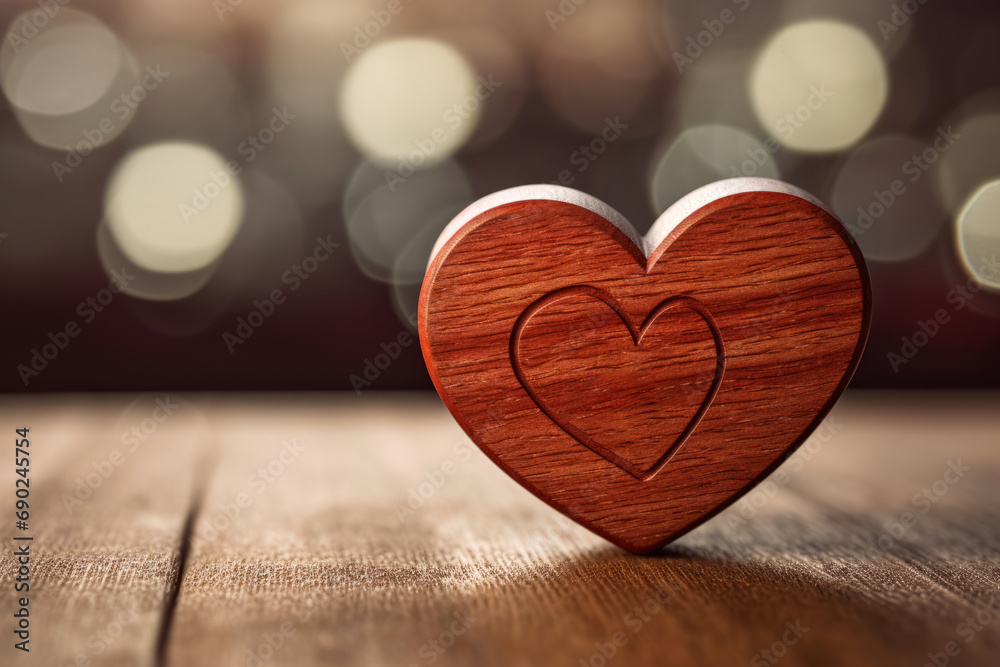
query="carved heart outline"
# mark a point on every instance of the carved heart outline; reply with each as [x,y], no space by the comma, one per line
[637,333]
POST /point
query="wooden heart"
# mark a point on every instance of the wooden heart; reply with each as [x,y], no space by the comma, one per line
[641,385]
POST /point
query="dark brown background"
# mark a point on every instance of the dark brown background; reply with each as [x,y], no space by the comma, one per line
[48,261]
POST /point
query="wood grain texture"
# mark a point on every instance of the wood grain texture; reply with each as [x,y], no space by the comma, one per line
[322,563]
[641,395]
[108,525]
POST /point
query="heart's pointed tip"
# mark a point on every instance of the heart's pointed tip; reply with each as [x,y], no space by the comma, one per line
[642,548]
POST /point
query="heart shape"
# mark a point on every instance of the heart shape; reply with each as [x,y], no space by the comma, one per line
[641,385]
[668,402]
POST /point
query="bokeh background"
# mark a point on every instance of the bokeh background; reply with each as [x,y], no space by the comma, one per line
[264,179]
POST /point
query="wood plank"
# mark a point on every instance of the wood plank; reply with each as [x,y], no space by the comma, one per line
[319,565]
[107,527]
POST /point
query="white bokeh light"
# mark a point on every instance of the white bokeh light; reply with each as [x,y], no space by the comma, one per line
[63,77]
[707,153]
[978,235]
[413,101]
[173,207]
[819,86]
[143,283]
[65,67]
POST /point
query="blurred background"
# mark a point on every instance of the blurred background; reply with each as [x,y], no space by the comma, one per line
[242,194]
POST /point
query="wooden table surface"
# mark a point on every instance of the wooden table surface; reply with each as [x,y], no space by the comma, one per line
[322,529]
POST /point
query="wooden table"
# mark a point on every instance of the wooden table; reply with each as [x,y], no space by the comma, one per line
[335,530]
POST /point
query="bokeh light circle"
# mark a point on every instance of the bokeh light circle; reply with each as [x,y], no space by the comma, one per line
[707,153]
[66,66]
[68,78]
[413,101]
[392,227]
[886,200]
[971,159]
[978,235]
[819,86]
[173,207]
[141,283]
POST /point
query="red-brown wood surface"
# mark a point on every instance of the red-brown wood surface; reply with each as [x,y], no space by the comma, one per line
[641,396]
